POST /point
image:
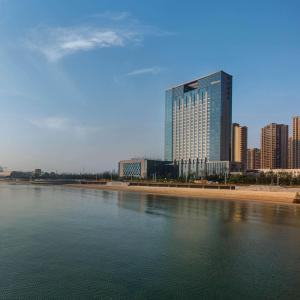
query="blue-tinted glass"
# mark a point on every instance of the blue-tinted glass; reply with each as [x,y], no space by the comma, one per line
[215,92]
[168,126]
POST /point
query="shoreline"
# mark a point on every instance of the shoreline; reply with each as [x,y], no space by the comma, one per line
[247,194]
[233,195]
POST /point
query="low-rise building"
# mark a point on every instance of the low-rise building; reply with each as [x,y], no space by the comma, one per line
[203,168]
[37,173]
[146,169]
[293,172]
[5,174]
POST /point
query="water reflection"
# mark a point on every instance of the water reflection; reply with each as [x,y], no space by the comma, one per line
[140,246]
[227,211]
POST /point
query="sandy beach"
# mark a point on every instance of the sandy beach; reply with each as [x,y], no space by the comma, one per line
[281,197]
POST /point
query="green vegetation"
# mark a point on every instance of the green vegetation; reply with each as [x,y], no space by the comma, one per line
[265,178]
[52,175]
[270,178]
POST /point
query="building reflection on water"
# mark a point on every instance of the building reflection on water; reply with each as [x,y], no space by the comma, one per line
[227,211]
[228,237]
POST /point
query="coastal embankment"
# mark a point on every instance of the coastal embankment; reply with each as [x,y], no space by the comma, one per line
[259,194]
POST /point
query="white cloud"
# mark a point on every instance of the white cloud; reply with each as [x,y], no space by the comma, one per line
[56,123]
[62,124]
[113,16]
[152,70]
[104,30]
[55,43]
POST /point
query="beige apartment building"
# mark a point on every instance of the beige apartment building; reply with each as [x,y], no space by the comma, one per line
[274,146]
[253,159]
[296,143]
[239,143]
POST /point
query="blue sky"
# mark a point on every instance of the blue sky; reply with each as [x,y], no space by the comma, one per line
[82,82]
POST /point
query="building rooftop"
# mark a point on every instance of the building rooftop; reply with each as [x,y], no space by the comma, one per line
[192,83]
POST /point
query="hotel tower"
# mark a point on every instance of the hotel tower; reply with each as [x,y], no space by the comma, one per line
[198,118]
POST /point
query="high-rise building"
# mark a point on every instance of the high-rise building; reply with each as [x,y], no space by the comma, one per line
[274,146]
[198,124]
[239,143]
[290,153]
[296,142]
[253,159]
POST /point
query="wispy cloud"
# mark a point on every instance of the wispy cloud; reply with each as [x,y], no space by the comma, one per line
[56,123]
[63,124]
[112,15]
[152,70]
[55,43]
[102,30]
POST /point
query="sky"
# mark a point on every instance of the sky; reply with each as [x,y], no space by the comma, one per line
[82,83]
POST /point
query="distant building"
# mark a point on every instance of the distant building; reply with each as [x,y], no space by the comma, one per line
[37,173]
[290,153]
[5,174]
[253,159]
[274,146]
[292,172]
[20,175]
[296,142]
[239,143]
[146,169]
[198,117]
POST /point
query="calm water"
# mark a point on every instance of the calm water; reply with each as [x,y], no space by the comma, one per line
[65,243]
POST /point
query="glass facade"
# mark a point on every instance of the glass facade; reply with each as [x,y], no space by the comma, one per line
[132,169]
[168,127]
[147,168]
[198,121]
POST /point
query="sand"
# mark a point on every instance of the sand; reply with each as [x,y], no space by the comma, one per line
[280,197]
